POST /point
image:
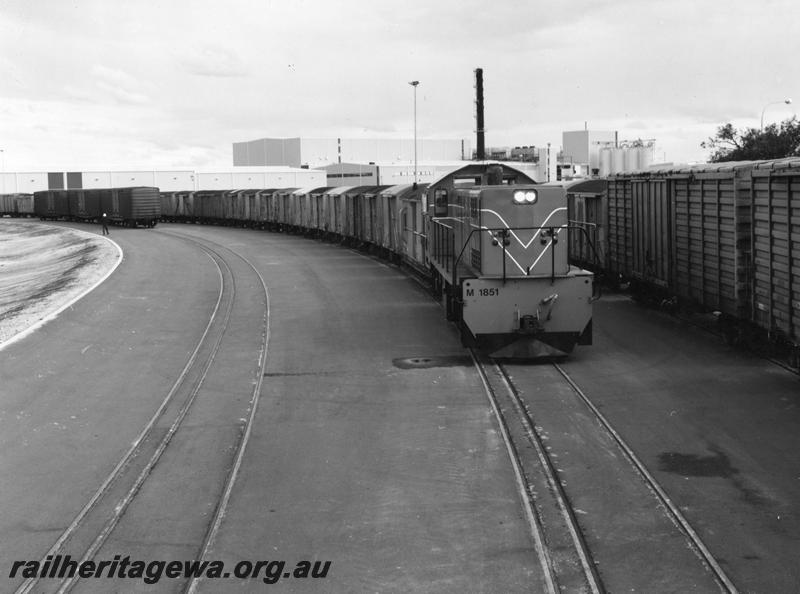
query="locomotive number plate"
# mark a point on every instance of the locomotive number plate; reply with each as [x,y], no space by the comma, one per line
[485,292]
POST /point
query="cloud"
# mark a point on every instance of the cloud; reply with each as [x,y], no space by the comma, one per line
[214,61]
[167,80]
[119,85]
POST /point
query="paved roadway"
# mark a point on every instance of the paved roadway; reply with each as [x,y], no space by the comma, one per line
[396,475]
[718,428]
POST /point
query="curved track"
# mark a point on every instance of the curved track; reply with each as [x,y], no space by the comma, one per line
[104,511]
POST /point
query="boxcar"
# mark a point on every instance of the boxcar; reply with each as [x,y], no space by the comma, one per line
[334,211]
[711,236]
[588,219]
[776,249]
[24,204]
[208,206]
[399,213]
[51,204]
[170,206]
[639,230]
[16,205]
[132,206]
[85,205]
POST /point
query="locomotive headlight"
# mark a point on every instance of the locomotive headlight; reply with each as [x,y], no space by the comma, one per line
[525,197]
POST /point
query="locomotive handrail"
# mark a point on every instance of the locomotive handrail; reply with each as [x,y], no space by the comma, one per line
[438,221]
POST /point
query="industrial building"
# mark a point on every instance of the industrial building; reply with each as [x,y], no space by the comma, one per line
[168,181]
[389,174]
[306,162]
[587,153]
[319,152]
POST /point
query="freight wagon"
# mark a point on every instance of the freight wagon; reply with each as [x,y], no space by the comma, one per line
[776,249]
[128,207]
[586,203]
[16,205]
[723,238]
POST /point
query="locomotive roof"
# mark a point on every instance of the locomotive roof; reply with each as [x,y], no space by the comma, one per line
[478,167]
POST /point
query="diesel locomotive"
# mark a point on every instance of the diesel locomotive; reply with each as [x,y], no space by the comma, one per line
[499,259]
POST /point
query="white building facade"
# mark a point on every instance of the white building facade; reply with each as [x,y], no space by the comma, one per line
[321,152]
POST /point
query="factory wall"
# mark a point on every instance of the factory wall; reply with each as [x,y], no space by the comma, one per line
[320,152]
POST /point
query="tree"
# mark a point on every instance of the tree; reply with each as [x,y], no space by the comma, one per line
[773,142]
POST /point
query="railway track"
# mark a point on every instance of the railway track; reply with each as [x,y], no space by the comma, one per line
[565,554]
[106,509]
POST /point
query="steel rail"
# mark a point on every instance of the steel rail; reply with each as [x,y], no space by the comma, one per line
[28,585]
[526,496]
[222,505]
[122,506]
[699,546]
[557,488]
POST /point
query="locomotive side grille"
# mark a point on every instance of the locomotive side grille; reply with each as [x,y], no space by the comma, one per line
[475,258]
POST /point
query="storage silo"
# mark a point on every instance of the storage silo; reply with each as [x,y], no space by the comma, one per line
[631,159]
[605,162]
[645,156]
[617,160]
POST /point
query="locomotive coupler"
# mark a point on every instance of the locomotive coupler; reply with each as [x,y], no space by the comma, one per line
[530,325]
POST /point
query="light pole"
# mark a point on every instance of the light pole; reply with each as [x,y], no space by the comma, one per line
[786,101]
[414,84]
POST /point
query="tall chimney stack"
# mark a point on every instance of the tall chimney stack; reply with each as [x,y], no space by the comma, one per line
[481,151]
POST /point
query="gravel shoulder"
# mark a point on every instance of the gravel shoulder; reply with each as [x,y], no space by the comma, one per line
[44,269]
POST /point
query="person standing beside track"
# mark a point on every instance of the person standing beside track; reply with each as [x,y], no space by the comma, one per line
[104,222]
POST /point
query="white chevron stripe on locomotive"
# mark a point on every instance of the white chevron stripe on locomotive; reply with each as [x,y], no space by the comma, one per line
[524,245]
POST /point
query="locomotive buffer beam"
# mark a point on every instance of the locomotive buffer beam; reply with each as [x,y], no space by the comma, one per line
[528,318]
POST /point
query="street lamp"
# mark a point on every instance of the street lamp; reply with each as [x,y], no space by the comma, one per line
[786,101]
[414,84]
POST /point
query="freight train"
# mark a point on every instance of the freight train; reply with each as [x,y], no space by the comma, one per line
[491,241]
[129,207]
[720,238]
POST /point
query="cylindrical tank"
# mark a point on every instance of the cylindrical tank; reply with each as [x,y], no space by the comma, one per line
[605,162]
[617,160]
[631,159]
[645,156]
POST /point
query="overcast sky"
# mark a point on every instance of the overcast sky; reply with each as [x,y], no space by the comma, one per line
[171,84]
